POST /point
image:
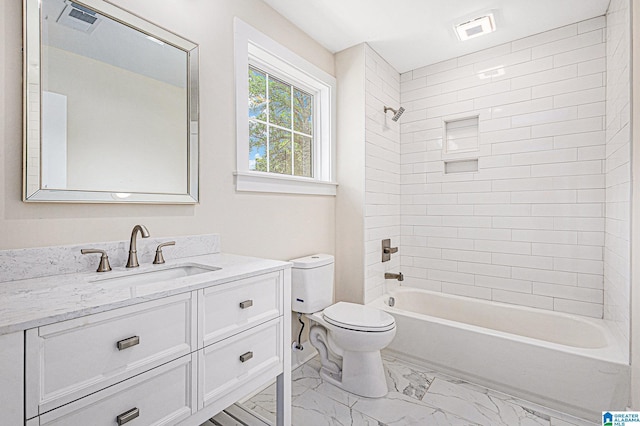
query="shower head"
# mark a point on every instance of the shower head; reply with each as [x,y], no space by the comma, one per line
[397,113]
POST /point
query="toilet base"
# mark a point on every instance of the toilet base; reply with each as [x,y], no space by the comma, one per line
[360,370]
[362,374]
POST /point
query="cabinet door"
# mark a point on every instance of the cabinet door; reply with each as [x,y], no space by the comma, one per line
[12,376]
[162,396]
[234,307]
[70,359]
[231,363]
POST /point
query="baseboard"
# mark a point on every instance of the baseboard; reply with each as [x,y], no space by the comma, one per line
[299,357]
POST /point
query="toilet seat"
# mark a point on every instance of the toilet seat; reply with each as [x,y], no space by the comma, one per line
[356,317]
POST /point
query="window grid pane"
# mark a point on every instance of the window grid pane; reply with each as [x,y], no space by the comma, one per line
[280,126]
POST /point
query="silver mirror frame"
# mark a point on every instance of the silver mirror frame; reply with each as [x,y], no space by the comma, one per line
[32,182]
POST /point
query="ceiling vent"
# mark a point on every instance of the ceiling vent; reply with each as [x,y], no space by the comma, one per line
[476,27]
[79,17]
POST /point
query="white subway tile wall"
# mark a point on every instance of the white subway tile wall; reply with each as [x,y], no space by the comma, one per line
[617,280]
[529,227]
[382,171]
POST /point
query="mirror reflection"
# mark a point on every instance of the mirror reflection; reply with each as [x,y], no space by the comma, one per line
[116,106]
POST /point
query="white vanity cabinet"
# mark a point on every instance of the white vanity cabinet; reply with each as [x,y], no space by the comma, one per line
[11,374]
[174,360]
[230,308]
[162,396]
[71,359]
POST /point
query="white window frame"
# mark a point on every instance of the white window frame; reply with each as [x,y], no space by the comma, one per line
[255,48]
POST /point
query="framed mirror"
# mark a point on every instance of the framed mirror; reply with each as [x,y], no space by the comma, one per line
[111,107]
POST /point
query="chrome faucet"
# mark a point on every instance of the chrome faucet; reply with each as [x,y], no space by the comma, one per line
[133,254]
[391,276]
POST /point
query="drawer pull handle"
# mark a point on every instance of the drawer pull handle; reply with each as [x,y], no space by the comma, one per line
[246,304]
[127,343]
[246,356]
[127,416]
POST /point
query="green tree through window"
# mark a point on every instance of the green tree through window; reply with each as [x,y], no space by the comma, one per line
[280,126]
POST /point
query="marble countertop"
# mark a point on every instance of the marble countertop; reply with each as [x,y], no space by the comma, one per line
[34,302]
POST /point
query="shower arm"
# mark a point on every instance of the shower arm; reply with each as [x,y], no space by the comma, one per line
[396,113]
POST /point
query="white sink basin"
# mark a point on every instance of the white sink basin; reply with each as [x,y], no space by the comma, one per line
[154,276]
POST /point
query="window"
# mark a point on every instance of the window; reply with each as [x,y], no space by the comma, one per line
[280,126]
[285,114]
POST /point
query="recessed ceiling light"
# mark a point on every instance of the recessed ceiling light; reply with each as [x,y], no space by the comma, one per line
[476,27]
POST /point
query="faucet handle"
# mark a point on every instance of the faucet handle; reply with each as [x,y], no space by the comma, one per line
[103,266]
[159,257]
[387,250]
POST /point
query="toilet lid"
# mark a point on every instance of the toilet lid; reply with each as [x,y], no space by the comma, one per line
[358,317]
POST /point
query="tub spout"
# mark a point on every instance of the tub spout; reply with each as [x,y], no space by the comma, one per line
[390,276]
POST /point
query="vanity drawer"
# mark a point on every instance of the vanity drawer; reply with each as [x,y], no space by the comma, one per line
[230,363]
[162,396]
[230,308]
[70,359]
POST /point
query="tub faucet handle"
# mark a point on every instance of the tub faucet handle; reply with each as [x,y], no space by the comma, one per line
[387,250]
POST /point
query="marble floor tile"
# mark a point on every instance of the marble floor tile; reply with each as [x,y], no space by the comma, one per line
[305,377]
[398,409]
[263,403]
[314,408]
[417,396]
[407,379]
[337,394]
[479,407]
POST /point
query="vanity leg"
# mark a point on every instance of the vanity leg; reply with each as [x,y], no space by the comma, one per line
[283,393]
[283,382]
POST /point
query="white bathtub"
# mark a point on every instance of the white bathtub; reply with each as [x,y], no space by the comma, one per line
[573,364]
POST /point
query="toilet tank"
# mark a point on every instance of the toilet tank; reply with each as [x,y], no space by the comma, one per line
[311,283]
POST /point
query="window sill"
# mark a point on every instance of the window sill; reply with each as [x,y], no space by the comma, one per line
[271,182]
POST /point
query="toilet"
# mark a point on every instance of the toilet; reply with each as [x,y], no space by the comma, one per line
[348,336]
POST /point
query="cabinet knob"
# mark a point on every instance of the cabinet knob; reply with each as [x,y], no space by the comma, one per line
[127,416]
[128,342]
[246,356]
[246,304]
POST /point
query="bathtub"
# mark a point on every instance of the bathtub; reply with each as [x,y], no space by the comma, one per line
[569,363]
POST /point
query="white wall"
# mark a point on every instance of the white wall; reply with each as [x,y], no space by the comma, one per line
[270,225]
[617,270]
[368,202]
[382,171]
[350,64]
[528,228]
